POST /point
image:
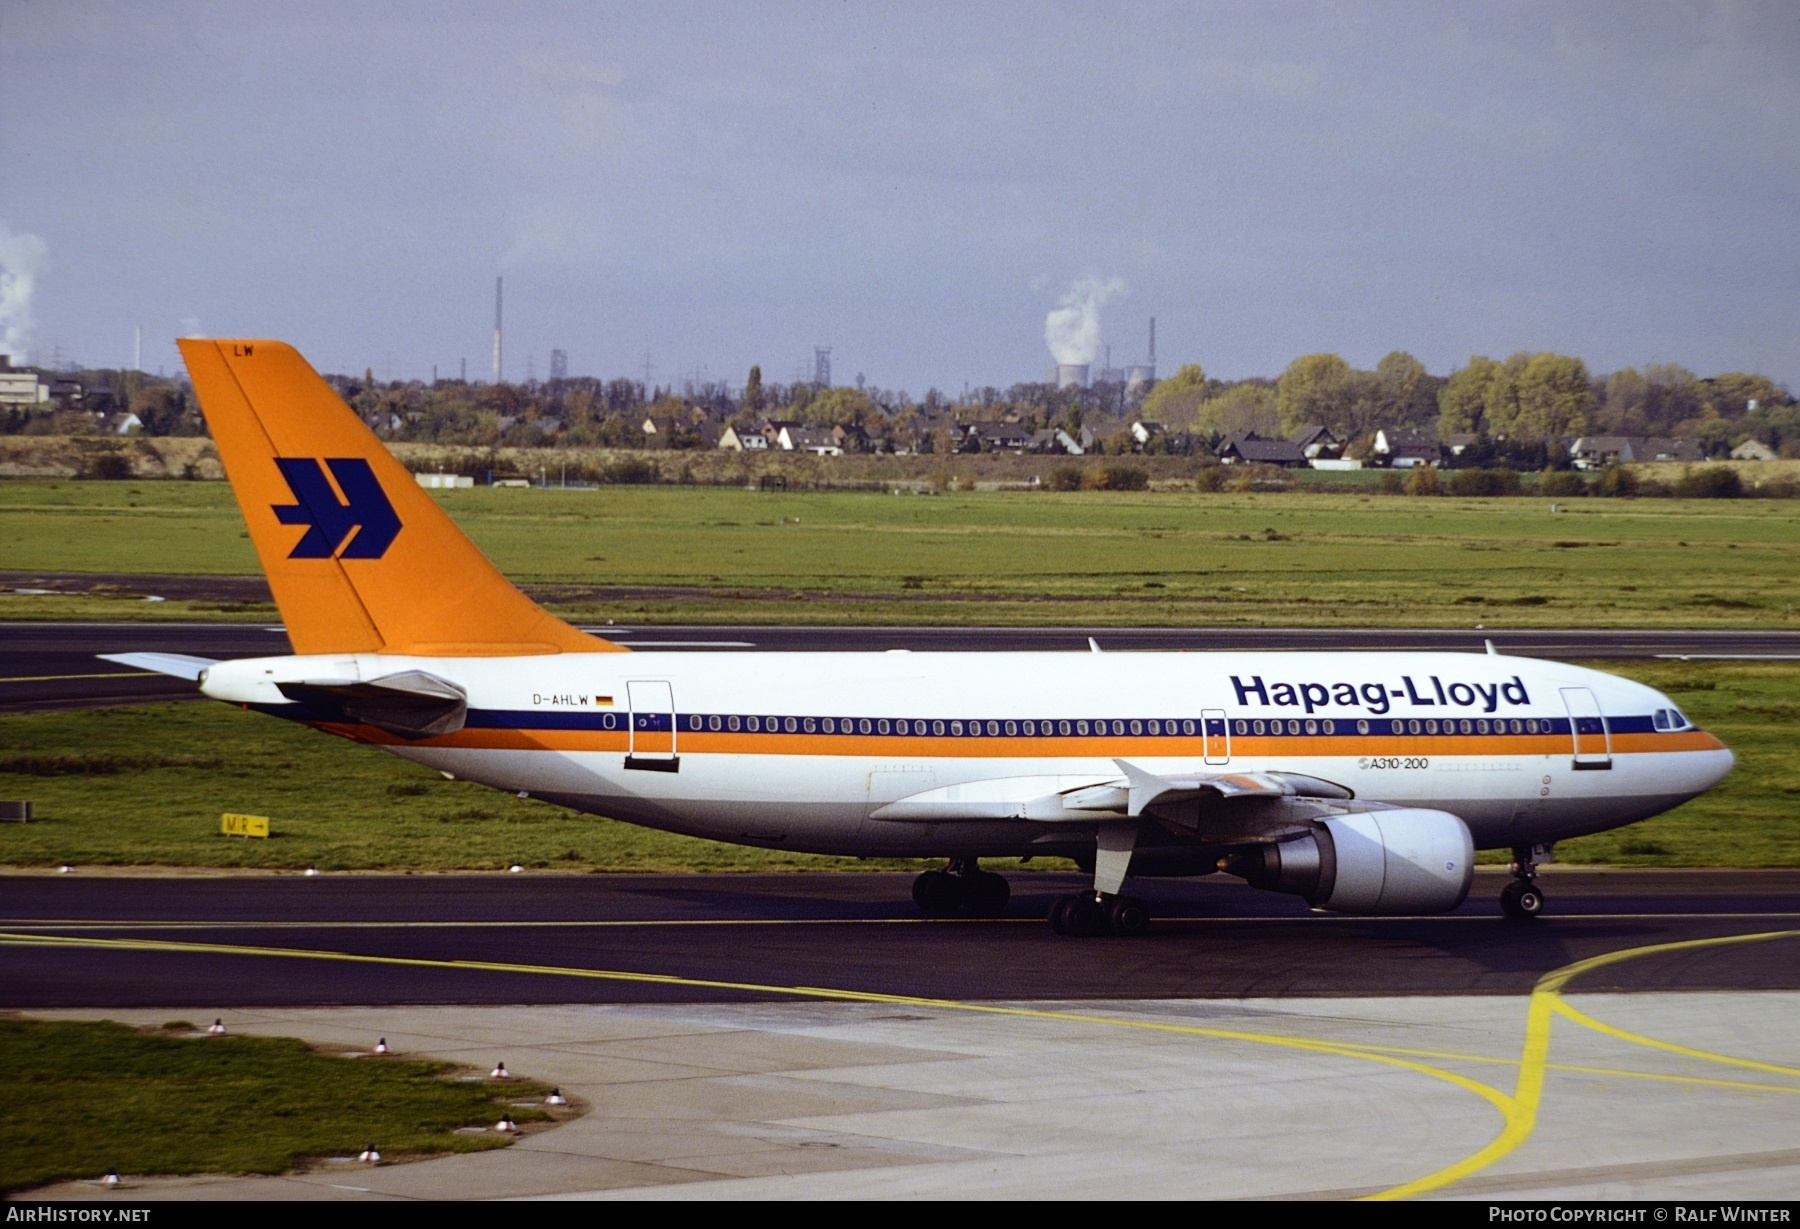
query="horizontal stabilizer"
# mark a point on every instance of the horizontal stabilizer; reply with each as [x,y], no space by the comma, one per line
[177,665]
[412,704]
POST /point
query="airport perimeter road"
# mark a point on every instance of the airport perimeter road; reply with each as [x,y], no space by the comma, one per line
[105,940]
[47,666]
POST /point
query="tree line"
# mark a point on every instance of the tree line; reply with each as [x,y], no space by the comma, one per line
[1514,408]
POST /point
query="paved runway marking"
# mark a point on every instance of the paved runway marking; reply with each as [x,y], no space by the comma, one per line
[1519,1111]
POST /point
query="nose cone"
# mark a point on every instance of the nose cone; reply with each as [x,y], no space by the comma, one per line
[1709,767]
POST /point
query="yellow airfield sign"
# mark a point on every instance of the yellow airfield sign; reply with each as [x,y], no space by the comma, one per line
[244,825]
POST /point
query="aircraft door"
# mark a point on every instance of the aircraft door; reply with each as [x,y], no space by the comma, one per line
[1587,726]
[652,726]
[1217,734]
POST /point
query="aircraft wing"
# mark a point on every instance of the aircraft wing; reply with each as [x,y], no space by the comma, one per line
[1180,798]
[177,665]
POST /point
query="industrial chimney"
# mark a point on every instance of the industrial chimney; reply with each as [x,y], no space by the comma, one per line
[497,368]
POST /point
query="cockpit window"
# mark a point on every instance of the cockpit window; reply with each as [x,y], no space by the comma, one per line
[1671,719]
[1662,719]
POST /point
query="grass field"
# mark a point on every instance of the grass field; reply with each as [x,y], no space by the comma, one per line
[132,786]
[85,1097]
[1008,557]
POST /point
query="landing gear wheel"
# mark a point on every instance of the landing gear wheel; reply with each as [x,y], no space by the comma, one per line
[1127,916]
[984,894]
[938,894]
[1085,917]
[1521,899]
[1059,914]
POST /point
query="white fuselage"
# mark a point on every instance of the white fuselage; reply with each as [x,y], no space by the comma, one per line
[802,750]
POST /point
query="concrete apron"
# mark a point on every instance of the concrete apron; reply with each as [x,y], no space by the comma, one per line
[1212,1099]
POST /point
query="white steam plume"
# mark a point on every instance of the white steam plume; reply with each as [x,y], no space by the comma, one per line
[23,258]
[1072,329]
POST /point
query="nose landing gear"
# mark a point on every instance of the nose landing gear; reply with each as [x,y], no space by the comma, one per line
[961,887]
[1521,899]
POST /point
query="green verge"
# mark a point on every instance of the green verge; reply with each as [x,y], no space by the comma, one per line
[146,786]
[84,1097]
[1156,558]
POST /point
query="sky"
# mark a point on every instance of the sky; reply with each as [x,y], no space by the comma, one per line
[698,187]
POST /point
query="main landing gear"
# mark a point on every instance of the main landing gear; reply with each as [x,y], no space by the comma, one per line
[1091,914]
[1521,899]
[1105,910]
[961,887]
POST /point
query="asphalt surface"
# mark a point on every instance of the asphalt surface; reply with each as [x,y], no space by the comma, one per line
[48,666]
[729,938]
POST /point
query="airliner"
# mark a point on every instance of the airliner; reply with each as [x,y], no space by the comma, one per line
[1361,782]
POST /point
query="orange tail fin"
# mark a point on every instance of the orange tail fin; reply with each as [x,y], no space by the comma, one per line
[360,558]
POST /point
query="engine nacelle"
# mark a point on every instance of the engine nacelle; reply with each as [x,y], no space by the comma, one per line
[1399,861]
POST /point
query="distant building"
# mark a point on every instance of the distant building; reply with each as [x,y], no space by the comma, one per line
[816,440]
[1252,449]
[22,385]
[1595,451]
[1317,442]
[995,437]
[1405,448]
[852,438]
[733,440]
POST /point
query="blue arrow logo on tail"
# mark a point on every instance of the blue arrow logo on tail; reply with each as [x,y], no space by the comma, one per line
[329,522]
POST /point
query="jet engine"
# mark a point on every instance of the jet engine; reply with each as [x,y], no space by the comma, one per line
[1381,862]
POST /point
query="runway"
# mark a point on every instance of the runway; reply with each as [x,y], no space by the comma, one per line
[50,666]
[799,1037]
